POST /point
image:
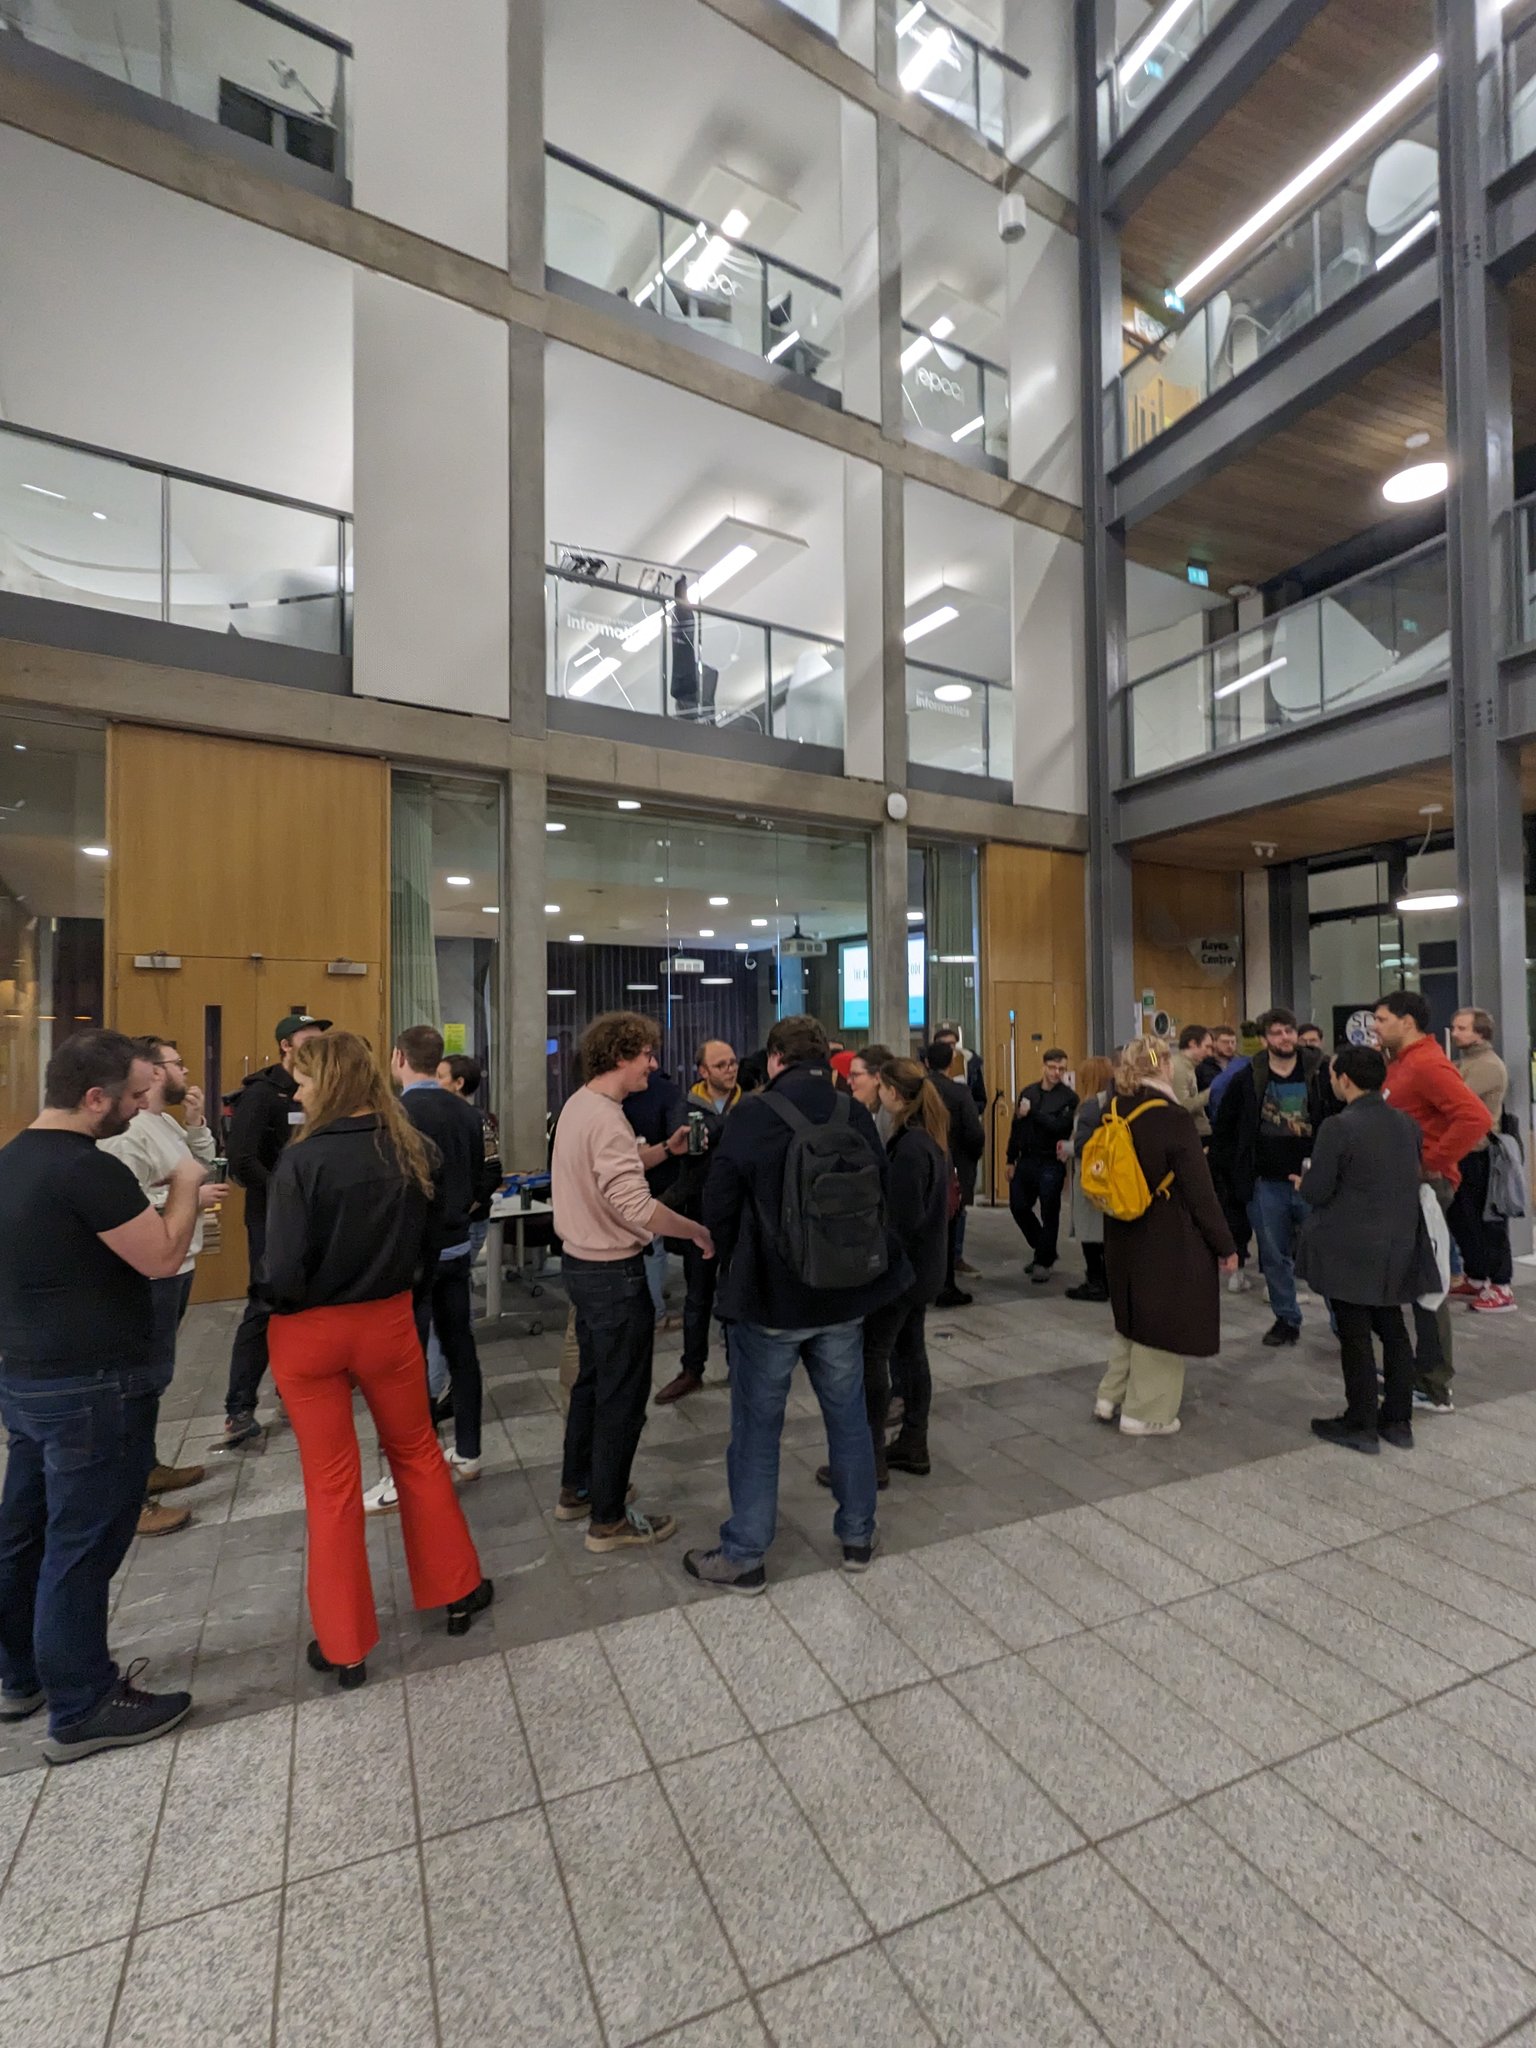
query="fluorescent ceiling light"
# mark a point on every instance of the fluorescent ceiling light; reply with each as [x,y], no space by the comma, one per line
[760,922]
[732,228]
[1410,486]
[914,15]
[97,852]
[577,938]
[730,564]
[914,917]
[98,515]
[1341,146]
[957,959]
[1253,675]
[43,492]
[551,826]
[458,881]
[735,224]
[718,902]
[929,623]
[628,803]
[742,946]
[938,48]
[942,328]
[1141,51]
[939,330]
[707,933]
[1430,899]
[715,980]
[779,346]
[584,684]
[551,910]
[1420,228]
[491,909]
[642,988]
[964,433]
[952,693]
[559,991]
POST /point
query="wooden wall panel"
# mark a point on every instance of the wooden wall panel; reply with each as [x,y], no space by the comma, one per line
[1172,908]
[1033,962]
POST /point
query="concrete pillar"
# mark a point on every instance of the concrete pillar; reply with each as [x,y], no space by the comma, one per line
[888,1013]
[525,490]
[525,143]
[1290,940]
[1256,977]
[523,1007]
[857,31]
[870,278]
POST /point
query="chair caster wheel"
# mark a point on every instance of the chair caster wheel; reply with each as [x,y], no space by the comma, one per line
[535,1290]
[535,1329]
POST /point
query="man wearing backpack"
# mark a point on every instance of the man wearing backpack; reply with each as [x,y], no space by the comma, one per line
[796,1207]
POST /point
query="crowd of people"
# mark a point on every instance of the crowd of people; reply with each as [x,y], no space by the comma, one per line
[817,1198]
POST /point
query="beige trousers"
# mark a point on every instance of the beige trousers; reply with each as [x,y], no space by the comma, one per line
[1144,1384]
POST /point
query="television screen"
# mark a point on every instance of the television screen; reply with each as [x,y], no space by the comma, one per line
[853,982]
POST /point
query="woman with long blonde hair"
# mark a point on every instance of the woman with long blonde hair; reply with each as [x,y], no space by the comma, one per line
[349,1211]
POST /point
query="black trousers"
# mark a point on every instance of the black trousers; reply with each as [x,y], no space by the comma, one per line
[1095,1272]
[1038,1183]
[445,1307]
[1357,1326]
[1483,1241]
[896,1353]
[700,1276]
[248,1353]
[616,1336]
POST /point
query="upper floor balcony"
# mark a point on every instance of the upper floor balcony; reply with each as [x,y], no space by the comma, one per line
[953,72]
[953,397]
[1156,54]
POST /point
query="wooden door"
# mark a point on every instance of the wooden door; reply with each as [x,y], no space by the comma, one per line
[353,1002]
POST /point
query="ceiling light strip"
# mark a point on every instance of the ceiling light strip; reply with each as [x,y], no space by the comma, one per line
[1253,675]
[1141,51]
[1420,228]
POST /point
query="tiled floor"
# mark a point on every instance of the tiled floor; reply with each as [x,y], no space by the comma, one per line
[1226,1739]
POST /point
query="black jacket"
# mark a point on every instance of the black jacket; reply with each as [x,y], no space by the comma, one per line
[1365,1241]
[686,1194]
[653,1117]
[1235,1132]
[917,1205]
[344,1224]
[1049,1122]
[264,1116]
[453,1126]
[967,1140]
[742,1200]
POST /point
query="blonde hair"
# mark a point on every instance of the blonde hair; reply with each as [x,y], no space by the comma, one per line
[921,1102]
[1094,1075]
[1140,1061]
[350,1082]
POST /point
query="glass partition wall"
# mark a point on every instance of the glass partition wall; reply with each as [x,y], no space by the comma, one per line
[946,390]
[445,912]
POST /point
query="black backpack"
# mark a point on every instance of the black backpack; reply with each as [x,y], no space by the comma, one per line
[831,1231]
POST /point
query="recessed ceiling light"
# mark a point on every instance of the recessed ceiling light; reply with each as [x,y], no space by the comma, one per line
[1240,590]
[559,991]
[952,693]
[718,902]
[577,938]
[760,923]
[491,909]
[716,981]
[1268,668]
[707,933]
[98,515]
[914,917]
[642,988]
[97,852]
[1418,440]
[629,803]
[551,910]
[20,746]
[458,881]
[43,491]
[1430,899]
[741,946]
[929,623]
[957,959]
[550,825]
[1410,486]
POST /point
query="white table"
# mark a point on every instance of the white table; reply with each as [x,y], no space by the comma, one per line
[503,1208]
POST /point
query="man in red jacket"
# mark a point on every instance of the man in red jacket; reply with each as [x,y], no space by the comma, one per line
[1423,1083]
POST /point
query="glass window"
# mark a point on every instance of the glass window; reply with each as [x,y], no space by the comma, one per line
[713,926]
[52,900]
[444,912]
[943,889]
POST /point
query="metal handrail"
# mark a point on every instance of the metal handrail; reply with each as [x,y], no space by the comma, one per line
[702,610]
[309,28]
[972,42]
[957,675]
[167,469]
[980,362]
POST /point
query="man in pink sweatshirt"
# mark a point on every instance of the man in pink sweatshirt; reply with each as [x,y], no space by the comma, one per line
[605,1216]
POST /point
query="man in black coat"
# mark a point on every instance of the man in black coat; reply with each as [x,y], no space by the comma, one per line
[967,1142]
[1042,1123]
[705,1108]
[264,1116]
[776,1318]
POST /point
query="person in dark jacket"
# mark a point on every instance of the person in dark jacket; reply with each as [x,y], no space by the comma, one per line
[1095,1080]
[1042,1125]
[1162,1267]
[967,1141]
[351,1226]
[1363,1246]
[264,1117]
[776,1319]
[653,1115]
[703,1112]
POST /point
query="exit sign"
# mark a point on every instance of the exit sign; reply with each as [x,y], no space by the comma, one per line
[1198,574]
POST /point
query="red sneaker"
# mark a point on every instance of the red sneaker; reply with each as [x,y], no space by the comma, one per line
[1463,1289]
[1495,1301]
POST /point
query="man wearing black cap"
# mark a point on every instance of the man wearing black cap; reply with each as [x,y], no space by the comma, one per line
[264,1116]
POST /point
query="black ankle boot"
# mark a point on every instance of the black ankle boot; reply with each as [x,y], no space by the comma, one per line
[462,1612]
[348,1676]
[907,1451]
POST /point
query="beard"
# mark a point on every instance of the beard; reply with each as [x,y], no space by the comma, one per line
[174,1091]
[113,1122]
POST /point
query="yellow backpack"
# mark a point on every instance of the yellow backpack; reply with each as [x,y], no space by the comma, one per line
[1111,1173]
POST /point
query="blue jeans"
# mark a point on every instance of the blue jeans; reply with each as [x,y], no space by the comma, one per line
[1277,1213]
[762,1363]
[80,1452]
[656,1274]
[438,1375]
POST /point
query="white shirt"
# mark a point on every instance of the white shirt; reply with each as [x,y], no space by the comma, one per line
[151,1148]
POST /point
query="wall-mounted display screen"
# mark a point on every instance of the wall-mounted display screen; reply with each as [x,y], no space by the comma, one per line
[853,982]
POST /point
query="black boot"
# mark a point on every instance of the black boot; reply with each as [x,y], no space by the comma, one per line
[348,1676]
[907,1451]
[462,1612]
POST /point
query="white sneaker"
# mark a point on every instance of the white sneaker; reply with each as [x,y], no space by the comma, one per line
[1129,1426]
[382,1499]
[461,1468]
[1237,1282]
[1104,1411]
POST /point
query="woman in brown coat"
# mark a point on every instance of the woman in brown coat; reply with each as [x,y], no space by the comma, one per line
[1162,1268]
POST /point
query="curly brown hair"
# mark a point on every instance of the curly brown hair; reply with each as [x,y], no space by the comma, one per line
[617,1036]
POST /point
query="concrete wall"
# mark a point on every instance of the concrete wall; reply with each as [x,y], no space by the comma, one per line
[1049,744]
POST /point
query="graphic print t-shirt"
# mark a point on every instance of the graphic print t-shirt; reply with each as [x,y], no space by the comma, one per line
[1285,1127]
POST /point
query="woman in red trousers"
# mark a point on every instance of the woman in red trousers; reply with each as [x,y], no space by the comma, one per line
[349,1228]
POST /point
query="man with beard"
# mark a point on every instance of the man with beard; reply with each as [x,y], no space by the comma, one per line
[79,1246]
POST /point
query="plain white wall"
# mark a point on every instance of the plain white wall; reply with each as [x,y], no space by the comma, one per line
[1049,747]
[429,107]
[1044,435]
[432,536]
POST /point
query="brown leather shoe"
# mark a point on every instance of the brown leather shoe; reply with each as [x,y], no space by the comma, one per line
[685,1383]
[171,1478]
[155,1521]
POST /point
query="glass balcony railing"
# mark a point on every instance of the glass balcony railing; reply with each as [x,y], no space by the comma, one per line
[948,391]
[1380,632]
[1153,56]
[244,64]
[1520,88]
[959,722]
[682,269]
[953,72]
[634,646]
[86,528]
[1383,209]
[820,14]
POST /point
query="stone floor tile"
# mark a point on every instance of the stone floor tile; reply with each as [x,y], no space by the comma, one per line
[1408,1560]
[63,2004]
[1444,1969]
[1286,1969]
[1095,1782]
[930,1620]
[1483,1448]
[467,1749]
[650,1939]
[225,1824]
[1407,1480]
[855,2001]
[1430,1461]
[857,1651]
[1265,1722]
[982,1984]
[1444,1631]
[1336,1692]
[578,1727]
[18,1795]
[1209,1500]
[998,1815]
[678,1698]
[890,1851]
[1496,1519]
[1325,1527]
[1518,1678]
[772,1675]
[1320,1474]
[207,1978]
[1218,1558]
[1494,1716]
[97,1816]
[351,1780]
[1141,1985]
[1178,1746]
[1345,1630]
[1450,1538]
[737,2026]
[1002,1599]
[1072,1582]
[1141,1565]
[504,1950]
[354,1959]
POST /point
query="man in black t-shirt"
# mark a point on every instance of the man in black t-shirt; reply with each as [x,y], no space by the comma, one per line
[79,1244]
[1042,1124]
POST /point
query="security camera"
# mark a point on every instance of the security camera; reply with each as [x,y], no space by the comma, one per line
[1012,217]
